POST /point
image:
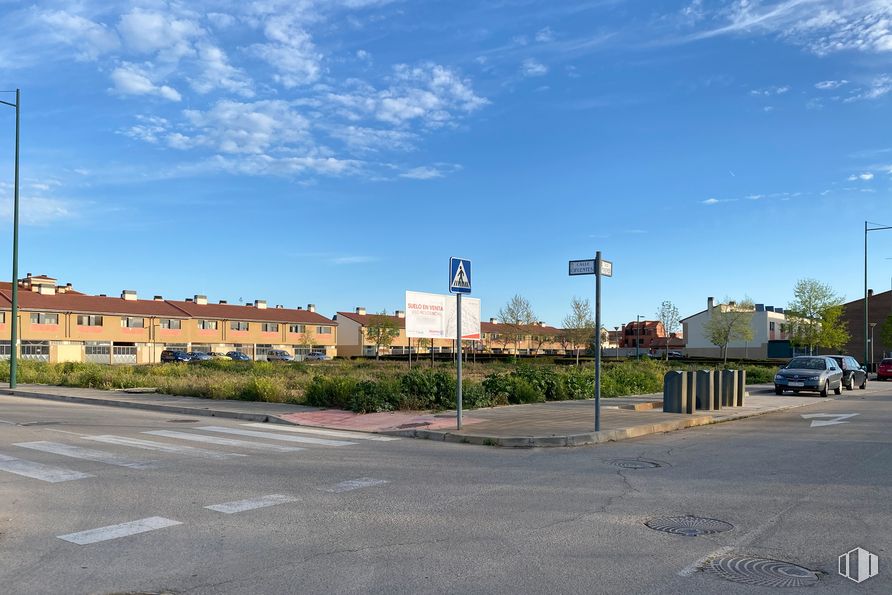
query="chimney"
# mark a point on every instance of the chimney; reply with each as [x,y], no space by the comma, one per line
[278,306]
[129,295]
[311,307]
[260,304]
[102,295]
[46,289]
[541,323]
[223,302]
[201,300]
[360,310]
[189,300]
[870,293]
[300,307]
[493,321]
[400,313]
[158,298]
[710,303]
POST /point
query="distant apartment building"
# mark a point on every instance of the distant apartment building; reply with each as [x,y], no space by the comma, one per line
[530,339]
[879,309]
[59,324]
[353,339]
[644,333]
[767,323]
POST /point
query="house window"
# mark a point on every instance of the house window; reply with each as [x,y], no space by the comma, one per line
[238,326]
[270,327]
[771,326]
[43,318]
[89,320]
[171,323]
[207,325]
[132,322]
[323,330]
[297,328]
[2,317]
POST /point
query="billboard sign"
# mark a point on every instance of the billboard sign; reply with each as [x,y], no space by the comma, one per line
[432,316]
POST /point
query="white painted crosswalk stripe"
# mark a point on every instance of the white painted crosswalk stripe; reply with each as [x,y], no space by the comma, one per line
[354,484]
[324,432]
[117,531]
[162,447]
[87,454]
[223,441]
[271,436]
[251,503]
[39,470]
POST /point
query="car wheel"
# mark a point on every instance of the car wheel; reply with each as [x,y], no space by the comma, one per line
[825,390]
[864,384]
[778,390]
[838,389]
[851,384]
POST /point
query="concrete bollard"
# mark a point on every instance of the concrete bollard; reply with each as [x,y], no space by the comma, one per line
[705,390]
[675,392]
[741,387]
[691,398]
[717,390]
[729,388]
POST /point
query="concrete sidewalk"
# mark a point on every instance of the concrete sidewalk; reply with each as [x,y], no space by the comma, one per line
[565,423]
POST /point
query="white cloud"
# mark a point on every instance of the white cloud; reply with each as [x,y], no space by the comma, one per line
[545,35]
[769,91]
[217,73]
[422,173]
[290,51]
[37,208]
[234,127]
[150,32]
[711,201]
[532,67]
[363,55]
[827,85]
[353,259]
[865,177]
[129,79]
[879,87]
[90,38]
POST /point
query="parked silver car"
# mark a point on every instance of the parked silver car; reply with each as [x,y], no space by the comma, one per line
[809,373]
[279,355]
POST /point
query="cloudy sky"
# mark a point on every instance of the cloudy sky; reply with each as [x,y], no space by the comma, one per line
[339,151]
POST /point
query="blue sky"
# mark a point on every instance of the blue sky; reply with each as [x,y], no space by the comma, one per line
[339,152]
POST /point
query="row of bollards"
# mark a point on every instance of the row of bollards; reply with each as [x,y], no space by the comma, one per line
[703,390]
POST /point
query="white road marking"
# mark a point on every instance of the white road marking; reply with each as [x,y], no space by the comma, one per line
[223,441]
[354,484]
[324,432]
[64,432]
[161,447]
[253,434]
[831,419]
[251,503]
[12,423]
[116,531]
[39,470]
[693,568]
[87,454]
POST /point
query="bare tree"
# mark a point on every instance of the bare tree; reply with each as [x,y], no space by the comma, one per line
[668,315]
[517,316]
[579,324]
[729,322]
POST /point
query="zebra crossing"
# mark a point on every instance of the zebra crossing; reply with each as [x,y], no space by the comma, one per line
[247,437]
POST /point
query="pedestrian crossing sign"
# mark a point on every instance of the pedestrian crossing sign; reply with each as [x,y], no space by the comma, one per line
[459,275]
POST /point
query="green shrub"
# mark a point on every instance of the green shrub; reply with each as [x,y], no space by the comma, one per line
[330,391]
[375,397]
[260,388]
[524,392]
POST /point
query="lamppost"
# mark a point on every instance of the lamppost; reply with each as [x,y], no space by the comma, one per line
[868,228]
[13,338]
[637,336]
[873,325]
[616,336]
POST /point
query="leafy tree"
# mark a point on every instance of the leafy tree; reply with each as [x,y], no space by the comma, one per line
[814,317]
[517,316]
[728,323]
[668,315]
[579,324]
[381,330]
[886,332]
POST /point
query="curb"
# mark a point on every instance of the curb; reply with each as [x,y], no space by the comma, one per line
[201,412]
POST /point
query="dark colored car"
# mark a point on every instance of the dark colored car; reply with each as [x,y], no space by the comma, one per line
[853,373]
[813,373]
[884,370]
[199,356]
[238,356]
[172,355]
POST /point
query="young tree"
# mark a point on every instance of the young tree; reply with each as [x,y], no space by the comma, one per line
[306,340]
[668,315]
[579,324]
[381,330]
[728,323]
[886,332]
[814,317]
[517,316]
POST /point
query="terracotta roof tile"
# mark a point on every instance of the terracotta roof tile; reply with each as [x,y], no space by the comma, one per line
[364,319]
[251,313]
[88,304]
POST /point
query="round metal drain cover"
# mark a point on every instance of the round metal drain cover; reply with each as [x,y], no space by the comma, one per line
[634,464]
[689,526]
[762,572]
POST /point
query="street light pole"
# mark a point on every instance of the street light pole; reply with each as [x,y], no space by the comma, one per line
[13,338]
[637,336]
[873,325]
[616,337]
[867,229]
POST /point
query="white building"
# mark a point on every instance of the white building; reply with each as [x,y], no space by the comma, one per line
[767,323]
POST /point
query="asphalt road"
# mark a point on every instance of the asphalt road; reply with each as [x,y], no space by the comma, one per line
[410,516]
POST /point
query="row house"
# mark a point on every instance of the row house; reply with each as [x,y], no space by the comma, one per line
[529,339]
[353,340]
[770,335]
[59,324]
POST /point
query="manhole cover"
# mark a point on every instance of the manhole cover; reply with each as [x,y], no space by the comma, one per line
[689,526]
[182,421]
[635,464]
[761,572]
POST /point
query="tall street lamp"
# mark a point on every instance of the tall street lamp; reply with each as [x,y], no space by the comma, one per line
[616,338]
[868,227]
[637,336]
[13,338]
[873,325]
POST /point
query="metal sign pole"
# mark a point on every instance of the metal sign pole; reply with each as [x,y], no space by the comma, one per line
[458,361]
[598,341]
